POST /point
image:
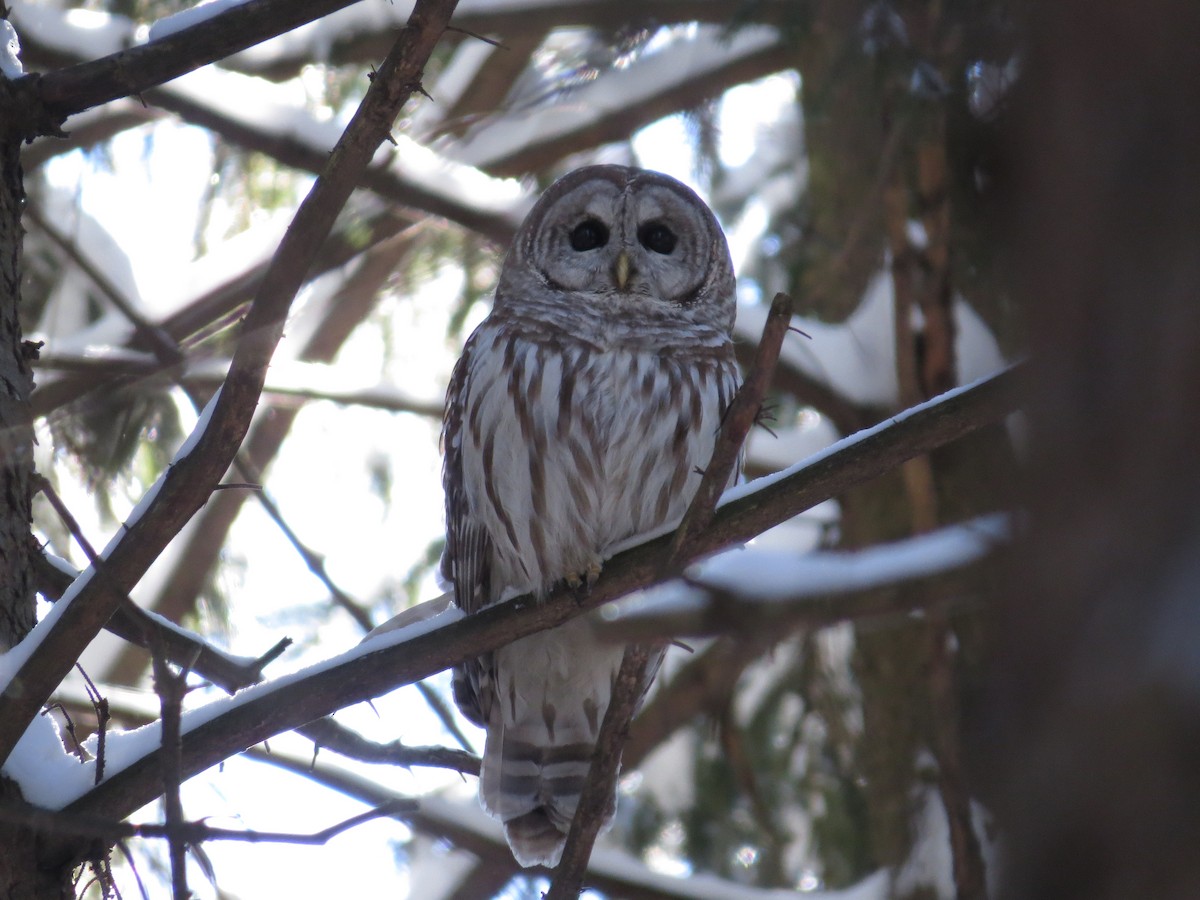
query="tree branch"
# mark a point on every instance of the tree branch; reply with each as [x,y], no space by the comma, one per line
[385,663]
[137,69]
[134,624]
[616,873]
[54,646]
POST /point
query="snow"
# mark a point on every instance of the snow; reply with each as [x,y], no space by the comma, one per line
[930,865]
[777,575]
[186,18]
[49,776]
[857,358]
[759,575]
[190,444]
[10,49]
[34,751]
[744,490]
[82,33]
[580,108]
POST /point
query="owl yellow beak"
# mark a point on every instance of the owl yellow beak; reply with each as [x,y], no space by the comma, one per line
[621,270]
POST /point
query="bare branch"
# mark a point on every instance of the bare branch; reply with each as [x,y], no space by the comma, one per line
[328,734]
[171,688]
[741,415]
[187,484]
[136,625]
[49,822]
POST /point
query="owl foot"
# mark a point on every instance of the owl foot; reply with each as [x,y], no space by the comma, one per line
[582,581]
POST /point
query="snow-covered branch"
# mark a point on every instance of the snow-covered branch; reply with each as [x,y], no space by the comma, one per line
[54,96]
[757,590]
[393,659]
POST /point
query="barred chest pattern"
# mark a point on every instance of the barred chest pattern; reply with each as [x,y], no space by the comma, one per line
[573,448]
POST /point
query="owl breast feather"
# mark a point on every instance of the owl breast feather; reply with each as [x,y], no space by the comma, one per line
[569,449]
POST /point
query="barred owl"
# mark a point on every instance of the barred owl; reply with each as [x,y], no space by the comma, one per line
[579,416]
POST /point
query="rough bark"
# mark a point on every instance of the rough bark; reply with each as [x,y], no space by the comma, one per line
[16,433]
[20,876]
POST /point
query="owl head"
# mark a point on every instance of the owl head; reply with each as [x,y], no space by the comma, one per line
[628,241]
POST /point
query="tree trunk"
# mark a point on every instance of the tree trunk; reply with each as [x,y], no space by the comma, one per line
[16,433]
[21,875]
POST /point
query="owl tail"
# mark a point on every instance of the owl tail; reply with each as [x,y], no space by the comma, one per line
[532,785]
[551,691]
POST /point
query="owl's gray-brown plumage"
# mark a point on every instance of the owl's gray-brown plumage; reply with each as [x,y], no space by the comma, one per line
[577,418]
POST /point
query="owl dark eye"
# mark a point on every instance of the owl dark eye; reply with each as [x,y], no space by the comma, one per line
[657,237]
[588,235]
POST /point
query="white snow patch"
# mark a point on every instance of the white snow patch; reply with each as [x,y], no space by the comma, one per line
[759,575]
[857,357]
[931,865]
[10,50]
[743,490]
[776,575]
[193,439]
[48,775]
[168,25]
[82,33]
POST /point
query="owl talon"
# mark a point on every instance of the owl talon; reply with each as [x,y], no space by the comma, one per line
[581,582]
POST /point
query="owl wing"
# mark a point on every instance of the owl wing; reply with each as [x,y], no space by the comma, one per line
[466,561]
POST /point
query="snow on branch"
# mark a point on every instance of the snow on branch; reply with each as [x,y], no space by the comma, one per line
[353,34]
[674,77]
[142,627]
[754,590]
[401,657]
[39,663]
[236,107]
[56,95]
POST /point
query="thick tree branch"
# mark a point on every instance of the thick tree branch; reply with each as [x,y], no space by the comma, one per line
[129,72]
[382,665]
[186,485]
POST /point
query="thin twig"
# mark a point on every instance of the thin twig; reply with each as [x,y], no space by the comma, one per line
[103,716]
[134,624]
[49,822]
[477,36]
[639,660]
[739,418]
[171,688]
[328,733]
